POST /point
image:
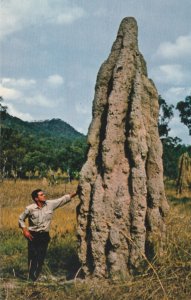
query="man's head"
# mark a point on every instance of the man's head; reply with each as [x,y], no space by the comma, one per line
[38,195]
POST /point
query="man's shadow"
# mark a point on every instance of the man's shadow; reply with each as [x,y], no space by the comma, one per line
[62,257]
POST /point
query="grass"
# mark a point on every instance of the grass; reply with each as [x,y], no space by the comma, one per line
[173,269]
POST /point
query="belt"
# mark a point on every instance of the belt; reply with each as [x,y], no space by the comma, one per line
[37,232]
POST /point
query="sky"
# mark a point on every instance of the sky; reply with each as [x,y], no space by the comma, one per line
[51,51]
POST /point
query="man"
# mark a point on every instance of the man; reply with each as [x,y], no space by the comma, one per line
[39,216]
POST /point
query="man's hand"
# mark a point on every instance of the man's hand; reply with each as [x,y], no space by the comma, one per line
[72,195]
[78,192]
[27,234]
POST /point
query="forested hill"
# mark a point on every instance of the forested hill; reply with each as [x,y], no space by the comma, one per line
[36,147]
[47,128]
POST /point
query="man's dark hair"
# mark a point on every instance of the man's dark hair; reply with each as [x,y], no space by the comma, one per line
[34,193]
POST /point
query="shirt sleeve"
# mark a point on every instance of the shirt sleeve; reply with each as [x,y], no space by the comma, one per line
[60,201]
[22,218]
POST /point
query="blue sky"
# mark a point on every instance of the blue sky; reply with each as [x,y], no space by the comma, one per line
[51,51]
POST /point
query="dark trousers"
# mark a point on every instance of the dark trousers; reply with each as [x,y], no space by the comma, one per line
[36,253]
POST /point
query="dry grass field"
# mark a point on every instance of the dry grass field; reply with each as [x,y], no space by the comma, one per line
[168,277]
[15,196]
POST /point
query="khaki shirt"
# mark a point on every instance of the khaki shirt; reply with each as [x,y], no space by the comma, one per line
[39,218]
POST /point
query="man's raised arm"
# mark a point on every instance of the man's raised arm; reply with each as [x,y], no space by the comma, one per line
[64,199]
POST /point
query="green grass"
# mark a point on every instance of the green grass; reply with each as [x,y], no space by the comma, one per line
[13,254]
[61,257]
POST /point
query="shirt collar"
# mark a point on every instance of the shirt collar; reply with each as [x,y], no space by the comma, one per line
[36,206]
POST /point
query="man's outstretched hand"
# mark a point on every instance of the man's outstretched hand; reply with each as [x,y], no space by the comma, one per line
[27,234]
[78,192]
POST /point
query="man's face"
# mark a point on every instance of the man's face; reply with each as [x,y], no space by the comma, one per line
[41,196]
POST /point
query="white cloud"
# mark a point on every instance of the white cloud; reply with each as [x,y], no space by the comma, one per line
[26,91]
[39,100]
[55,80]
[70,16]
[10,94]
[175,94]
[18,83]
[14,112]
[168,74]
[18,14]
[180,48]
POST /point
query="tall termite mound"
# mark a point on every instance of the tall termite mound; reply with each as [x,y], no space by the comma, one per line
[184,175]
[123,204]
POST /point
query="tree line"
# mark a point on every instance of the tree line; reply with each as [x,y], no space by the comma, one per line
[172,146]
[30,155]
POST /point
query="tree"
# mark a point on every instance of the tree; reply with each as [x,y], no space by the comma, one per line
[172,147]
[12,152]
[3,110]
[165,115]
[172,150]
[184,108]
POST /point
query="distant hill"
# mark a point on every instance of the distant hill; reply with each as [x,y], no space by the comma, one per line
[48,128]
[37,147]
